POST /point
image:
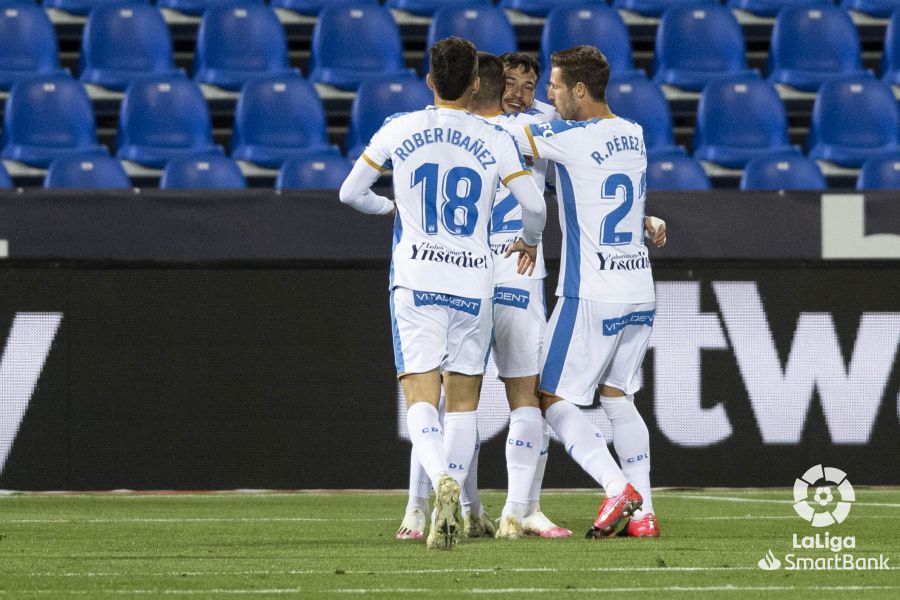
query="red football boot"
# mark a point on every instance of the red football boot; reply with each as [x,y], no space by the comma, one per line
[614,512]
[646,526]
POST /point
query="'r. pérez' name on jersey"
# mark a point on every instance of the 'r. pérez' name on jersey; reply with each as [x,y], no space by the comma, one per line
[445,135]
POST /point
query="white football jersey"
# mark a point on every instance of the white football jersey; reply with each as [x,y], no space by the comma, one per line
[546,112]
[506,217]
[601,182]
[447,166]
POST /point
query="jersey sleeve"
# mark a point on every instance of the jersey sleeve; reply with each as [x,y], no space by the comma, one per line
[549,140]
[378,153]
[510,161]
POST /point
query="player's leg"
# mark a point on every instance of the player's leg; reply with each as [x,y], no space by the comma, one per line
[476,521]
[577,354]
[413,525]
[420,342]
[631,437]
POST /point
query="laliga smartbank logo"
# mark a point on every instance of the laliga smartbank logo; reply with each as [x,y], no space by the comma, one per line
[823,496]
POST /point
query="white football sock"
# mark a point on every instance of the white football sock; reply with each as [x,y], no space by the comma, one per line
[537,483]
[427,439]
[631,440]
[469,497]
[419,484]
[460,434]
[586,444]
[523,447]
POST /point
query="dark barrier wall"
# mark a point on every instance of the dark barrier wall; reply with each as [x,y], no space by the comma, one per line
[283,378]
[242,340]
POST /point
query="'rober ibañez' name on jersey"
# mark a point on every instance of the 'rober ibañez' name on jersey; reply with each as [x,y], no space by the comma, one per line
[618,144]
[429,251]
[445,135]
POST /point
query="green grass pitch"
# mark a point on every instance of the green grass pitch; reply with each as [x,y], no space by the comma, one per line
[341,545]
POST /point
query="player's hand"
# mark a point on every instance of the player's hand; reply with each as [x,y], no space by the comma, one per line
[527,256]
[656,230]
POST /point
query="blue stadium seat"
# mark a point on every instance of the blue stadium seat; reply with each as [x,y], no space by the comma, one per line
[634,97]
[198,7]
[811,45]
[322,172]
[676,173]
[740,119]
[854,120]
[84,7]
[121,43]
[770,8]
[238,43]
[655,8]
[46,118]
[485,26]
[541,8]
[378,99]
[591,24]
[427,8]
[312,7]
[77,171]
[890,59]
[161,119]
[275,118]
[205,171]
[698,44]
[5,180]
[786,172]
[28,44]
[880,173]
[351,44]
[873,8]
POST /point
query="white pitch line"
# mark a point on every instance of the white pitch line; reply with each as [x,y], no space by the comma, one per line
[607,590]
[396,571]
[767,518]
[768,501]
[202,520]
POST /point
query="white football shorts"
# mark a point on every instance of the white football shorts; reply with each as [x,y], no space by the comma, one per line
[435,330]
[591,343]
[520,318]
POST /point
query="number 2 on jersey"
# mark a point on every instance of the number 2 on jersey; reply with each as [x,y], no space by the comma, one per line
[459,211]
[608,234]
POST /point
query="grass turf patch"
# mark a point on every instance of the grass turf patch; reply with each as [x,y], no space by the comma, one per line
[342,544]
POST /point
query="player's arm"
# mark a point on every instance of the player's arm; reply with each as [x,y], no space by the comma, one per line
[534,217]
[356,190]
[541,140]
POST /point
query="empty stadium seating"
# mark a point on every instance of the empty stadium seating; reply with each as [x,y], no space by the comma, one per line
[275,118]
[238,43]
[197,7]
[874,8]
[811,45]
[541,8]
[162,119]
[880,173]
[351,44]
[853,120]
[890,58]
[202,172]
[676,173]
[696,45]
[429,7]
[634,97]
[784,172]
[485,26]
[740,119]
[5,181]
[84,7]
[313,7]
[46,118]
[78,171]
[326,171]
[770,8]
[28,45]
[122,43]
[655,8]
[568,26]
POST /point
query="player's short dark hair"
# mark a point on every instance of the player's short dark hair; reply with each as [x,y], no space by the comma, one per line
[454,65]
[492,82]
[583,64]
[521,60]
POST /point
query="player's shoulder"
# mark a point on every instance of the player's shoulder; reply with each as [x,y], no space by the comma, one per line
[523,118]
[493,126]
[546,112]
